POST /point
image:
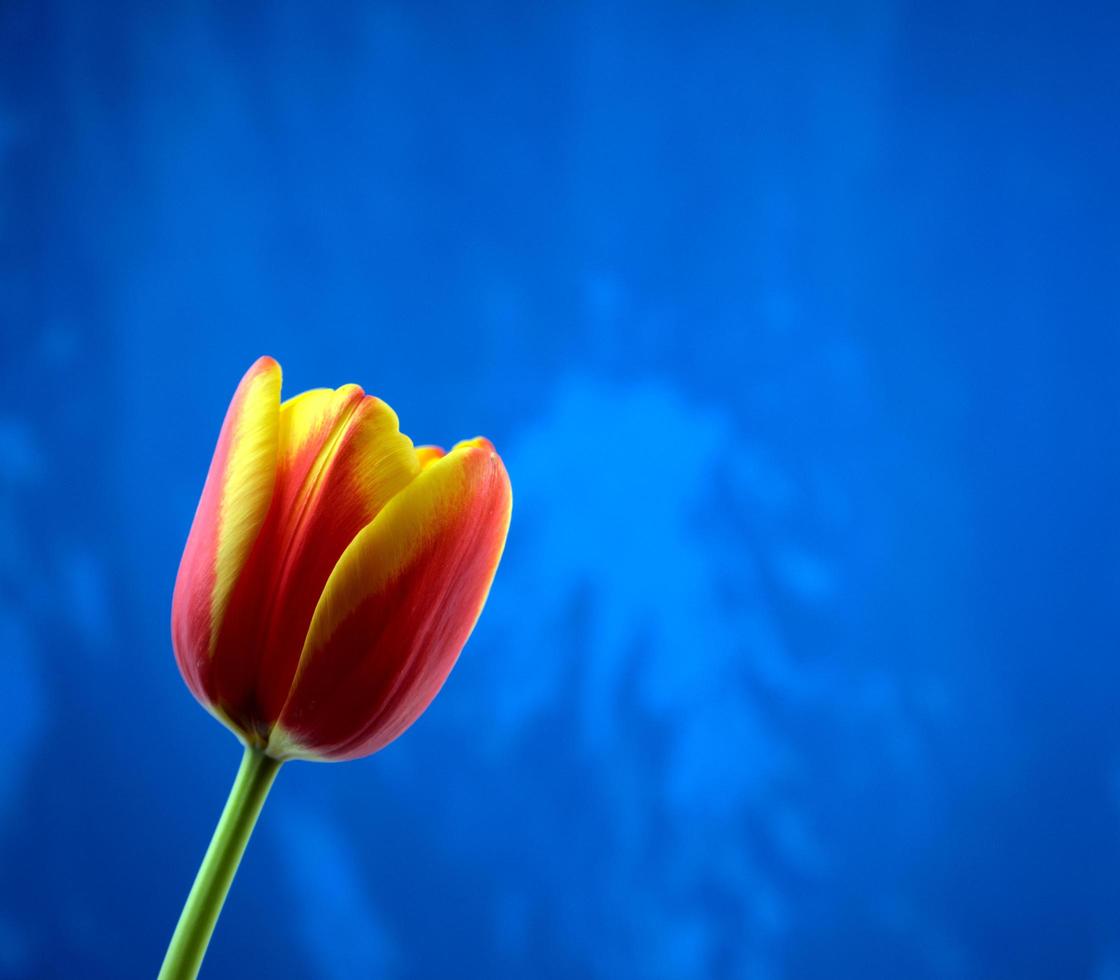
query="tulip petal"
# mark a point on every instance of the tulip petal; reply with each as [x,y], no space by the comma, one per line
[429,454]
[231,511]
[341,458]
[398,609]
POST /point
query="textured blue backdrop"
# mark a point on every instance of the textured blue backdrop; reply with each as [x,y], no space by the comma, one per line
[797,325]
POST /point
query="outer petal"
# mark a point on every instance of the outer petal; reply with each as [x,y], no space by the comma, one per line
[231,511]
[398,609]
[341,458]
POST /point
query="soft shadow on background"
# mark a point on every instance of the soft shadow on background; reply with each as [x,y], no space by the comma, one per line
[797,326]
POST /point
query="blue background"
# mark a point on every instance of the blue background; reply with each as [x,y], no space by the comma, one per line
[797,326]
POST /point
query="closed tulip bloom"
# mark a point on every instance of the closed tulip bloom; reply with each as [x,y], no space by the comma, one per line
[329,582]
[333,571]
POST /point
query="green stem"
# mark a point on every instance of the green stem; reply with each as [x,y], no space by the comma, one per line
[196,923]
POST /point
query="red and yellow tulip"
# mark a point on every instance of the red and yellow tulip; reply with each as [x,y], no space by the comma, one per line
[333,571]
[330,580]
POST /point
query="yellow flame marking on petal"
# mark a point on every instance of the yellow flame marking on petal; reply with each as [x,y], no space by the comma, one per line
[249,478]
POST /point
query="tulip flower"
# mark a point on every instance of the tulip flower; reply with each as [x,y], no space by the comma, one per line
[331,578]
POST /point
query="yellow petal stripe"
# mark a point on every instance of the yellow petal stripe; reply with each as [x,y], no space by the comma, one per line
[248,482]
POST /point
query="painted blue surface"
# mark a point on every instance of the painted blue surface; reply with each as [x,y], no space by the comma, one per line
[798,328]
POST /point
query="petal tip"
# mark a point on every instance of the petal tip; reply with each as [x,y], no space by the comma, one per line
[478,442]
[264,365]
[426,455]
